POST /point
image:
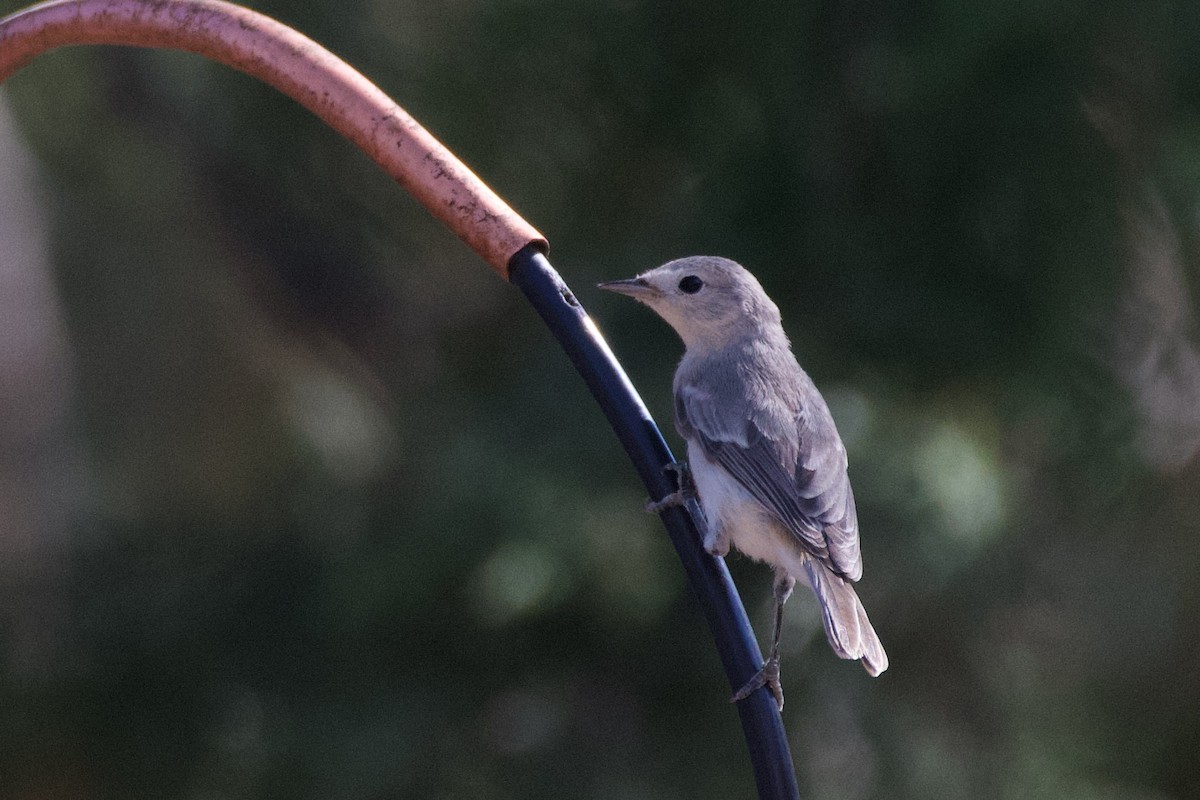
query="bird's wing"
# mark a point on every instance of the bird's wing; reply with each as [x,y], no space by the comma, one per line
[799,477]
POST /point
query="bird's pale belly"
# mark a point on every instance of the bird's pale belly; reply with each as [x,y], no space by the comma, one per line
[735,517]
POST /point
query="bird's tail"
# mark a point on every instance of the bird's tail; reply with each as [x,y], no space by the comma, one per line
[846,625]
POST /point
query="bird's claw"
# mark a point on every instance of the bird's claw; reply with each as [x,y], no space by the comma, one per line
[767,676]
[670,501]
[679,497]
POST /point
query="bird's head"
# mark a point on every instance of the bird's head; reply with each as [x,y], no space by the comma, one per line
[709,301]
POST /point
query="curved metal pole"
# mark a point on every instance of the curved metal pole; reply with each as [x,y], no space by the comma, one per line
[303,70]
[356,108]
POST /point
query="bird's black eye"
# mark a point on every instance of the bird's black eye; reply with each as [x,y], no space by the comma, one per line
[690,284]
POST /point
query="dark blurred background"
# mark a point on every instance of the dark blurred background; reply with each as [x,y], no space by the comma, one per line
[298,500]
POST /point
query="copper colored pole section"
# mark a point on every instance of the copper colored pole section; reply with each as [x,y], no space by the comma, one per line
[301,69]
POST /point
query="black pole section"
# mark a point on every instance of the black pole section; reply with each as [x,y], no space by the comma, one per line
[530,271]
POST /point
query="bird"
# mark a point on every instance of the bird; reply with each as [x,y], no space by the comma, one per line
[764,458]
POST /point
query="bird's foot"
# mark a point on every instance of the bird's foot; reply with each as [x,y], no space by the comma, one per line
[679,497]
[767,676]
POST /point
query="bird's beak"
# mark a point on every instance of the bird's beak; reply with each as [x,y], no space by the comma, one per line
[634,287]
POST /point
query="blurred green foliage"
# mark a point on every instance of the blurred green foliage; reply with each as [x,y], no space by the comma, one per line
[327,514]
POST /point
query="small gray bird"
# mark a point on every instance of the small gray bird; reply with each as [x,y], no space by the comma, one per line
[767,463]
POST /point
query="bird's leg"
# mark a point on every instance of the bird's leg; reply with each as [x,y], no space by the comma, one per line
[769,674]
[715,540]
[686,489]
[713,537]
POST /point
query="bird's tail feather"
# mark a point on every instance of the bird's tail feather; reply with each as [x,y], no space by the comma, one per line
[847,627]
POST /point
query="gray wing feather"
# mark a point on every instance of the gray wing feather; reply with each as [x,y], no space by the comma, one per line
[791,460]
